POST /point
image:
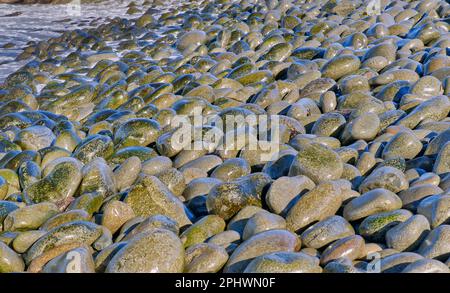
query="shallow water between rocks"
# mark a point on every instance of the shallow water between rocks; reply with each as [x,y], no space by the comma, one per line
[20,24]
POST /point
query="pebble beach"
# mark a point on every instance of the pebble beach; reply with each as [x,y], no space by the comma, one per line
[215,136]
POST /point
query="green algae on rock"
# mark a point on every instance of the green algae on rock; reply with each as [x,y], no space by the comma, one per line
[155,251]
[92,162]
[80,232]
[149,196]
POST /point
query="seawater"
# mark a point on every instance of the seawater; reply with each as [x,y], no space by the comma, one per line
[20,24]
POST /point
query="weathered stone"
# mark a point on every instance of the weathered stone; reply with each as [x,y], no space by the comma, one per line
[10,262]
[326,231]
[316,205]
[205,258]
[372,202]
[64,262]
[436,245]
[228,198]
[260,244]
[127,173]
[29,217]
[351,247]
[59,185]
[24,240]
[426,266]
[115,214]
[149,196]
[318,162]
[408,235]
[262,221]
[284,262]
[78,232]
[154,251]
[374,227]
[285,191]
[397,262]
[389,178]
[202,230]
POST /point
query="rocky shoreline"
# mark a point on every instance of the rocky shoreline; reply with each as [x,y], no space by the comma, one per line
[357,109]
[44,1]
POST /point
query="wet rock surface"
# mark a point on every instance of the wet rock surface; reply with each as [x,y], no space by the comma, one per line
[93,161]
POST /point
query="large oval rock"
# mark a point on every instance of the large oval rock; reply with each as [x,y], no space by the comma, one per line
[127,173]
[228,198]
[285,191]
[155,165]
[137,226]
[374,227]
[59,185]
[326,231]
[387,177]
[364,127]
[262,221]
[436,109]
[199,186]
[137,132]
[351,247]
[426,266]
[329,124]
[202,229]
[10,262]
[404,144]
[78,232]
[372,202]
[94,146]
[35,138]
[231,169]
[408,235]
[414,196]
[192,38]
[98,177]
[205,258]
[66,217]
[437,244]
[436,209]
[385,49]
[29,217]
[115,214]
[284,262]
